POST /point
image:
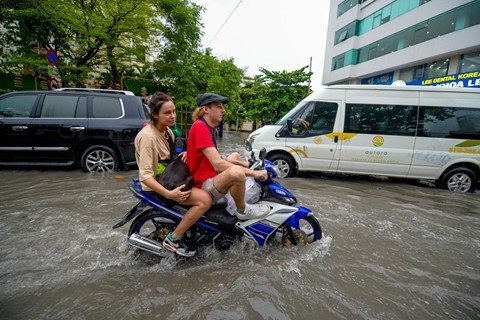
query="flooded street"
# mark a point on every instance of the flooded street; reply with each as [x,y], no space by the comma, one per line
[391,250]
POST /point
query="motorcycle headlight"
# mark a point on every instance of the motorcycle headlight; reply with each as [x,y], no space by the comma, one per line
[248,145]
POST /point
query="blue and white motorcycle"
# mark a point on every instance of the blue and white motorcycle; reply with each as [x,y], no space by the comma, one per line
[287,224]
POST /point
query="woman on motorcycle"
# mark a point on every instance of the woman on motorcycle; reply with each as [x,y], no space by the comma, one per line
[152,151]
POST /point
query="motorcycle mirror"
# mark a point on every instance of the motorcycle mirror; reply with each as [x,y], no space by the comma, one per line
[262,154]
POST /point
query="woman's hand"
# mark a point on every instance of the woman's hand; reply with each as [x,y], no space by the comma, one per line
[183,156]
[178,195]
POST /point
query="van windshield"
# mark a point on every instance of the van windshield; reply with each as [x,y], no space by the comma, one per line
[290,113]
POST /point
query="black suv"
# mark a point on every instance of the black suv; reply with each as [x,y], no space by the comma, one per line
[64,128]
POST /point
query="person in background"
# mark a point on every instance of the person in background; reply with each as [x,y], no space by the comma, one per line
[153,152]
[210,170]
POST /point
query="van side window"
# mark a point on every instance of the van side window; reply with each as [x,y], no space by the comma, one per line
[458,123]
[315,119]
[19,106]
[106,108]
[58,106]
[381,119]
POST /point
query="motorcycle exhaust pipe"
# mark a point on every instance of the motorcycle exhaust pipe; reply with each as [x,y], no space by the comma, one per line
[146,244]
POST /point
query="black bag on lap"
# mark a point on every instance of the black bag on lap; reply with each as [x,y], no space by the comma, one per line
[175,174]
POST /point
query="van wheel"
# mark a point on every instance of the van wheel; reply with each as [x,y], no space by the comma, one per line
[458,180]
[284,164]
[99,159]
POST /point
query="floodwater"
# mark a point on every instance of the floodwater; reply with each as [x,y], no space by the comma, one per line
[391,250]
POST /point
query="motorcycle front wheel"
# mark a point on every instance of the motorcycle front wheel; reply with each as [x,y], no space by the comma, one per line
[309,231]
[152,224]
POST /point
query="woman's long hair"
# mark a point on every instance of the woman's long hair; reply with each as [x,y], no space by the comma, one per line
[155,103]
[199,112]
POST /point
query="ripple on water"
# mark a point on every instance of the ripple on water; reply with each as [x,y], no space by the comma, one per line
[401,251]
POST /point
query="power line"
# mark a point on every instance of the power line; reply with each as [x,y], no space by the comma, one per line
[224,23]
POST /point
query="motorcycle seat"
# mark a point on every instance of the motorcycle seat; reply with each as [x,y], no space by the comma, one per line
[220,204]
[218,213]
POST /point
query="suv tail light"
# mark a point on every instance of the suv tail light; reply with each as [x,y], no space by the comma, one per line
[144,124]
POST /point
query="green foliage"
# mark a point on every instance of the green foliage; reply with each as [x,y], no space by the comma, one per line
[111,39]
[267,97]
[89,35]
[198,73]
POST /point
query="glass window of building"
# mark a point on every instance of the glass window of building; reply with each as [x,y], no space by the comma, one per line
[428,70]
[406,75]
[346,5]
[470,62]
[346,32]
[420,34]
[439,25]
[387,13]
[436,69]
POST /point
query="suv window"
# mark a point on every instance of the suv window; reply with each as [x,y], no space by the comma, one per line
[57,106]
[106,108]
[81,108]
[18,106]
[146,110]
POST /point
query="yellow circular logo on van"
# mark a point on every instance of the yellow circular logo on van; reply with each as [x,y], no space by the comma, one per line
[378,141]
[317,140]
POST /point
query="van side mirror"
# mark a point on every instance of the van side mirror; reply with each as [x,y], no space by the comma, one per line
[289,125]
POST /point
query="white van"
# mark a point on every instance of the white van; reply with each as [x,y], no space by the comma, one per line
[394,131]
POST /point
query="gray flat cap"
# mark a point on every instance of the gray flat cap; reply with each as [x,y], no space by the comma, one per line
[206,98]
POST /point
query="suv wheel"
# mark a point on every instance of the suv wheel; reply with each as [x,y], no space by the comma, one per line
[99,159]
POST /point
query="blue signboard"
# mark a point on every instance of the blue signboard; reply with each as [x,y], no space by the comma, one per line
[385,78]
[460,80]
[52,57]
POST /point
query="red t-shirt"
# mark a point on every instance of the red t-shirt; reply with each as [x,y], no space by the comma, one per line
[200,137]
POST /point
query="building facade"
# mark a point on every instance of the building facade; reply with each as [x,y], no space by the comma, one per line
[420,42]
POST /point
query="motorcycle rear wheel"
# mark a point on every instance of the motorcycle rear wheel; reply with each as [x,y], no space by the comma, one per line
[152,224]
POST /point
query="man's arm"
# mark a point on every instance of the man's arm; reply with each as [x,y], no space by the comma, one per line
[220,164]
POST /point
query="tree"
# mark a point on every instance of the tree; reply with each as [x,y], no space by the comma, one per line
[200,72]
[268,96]
[89,35]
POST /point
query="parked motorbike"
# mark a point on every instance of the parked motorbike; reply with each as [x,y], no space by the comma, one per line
[287,224]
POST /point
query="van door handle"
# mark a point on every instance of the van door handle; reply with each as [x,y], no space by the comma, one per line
[77,129]
[19,128]
[335,139]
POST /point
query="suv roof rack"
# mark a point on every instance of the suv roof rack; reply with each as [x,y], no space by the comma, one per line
[124,92]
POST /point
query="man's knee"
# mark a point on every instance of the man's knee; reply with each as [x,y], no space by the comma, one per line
[237,174]
[234,156]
